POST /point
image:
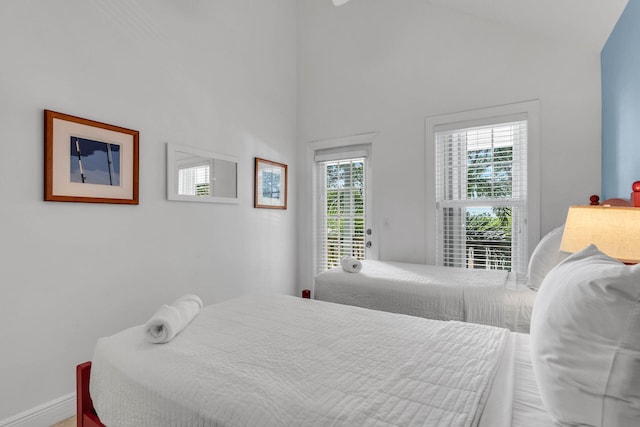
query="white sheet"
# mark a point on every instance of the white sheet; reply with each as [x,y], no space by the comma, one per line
[490,297]
[277,360]
[528,409]
[514,400]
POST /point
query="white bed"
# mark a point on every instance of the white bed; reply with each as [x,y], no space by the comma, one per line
[489,297]
[285,361]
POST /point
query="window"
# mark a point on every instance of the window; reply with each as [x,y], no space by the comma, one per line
[194,180]
[341,203]
[481,196]
[484,185]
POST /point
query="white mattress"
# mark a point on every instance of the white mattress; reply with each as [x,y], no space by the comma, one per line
[489,297]
[277,360]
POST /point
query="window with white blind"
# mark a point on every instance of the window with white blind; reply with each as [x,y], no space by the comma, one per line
[195,179]
[342,207]
[482,194]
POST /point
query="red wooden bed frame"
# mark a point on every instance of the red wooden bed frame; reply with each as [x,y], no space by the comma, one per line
[85,414]
[633,201]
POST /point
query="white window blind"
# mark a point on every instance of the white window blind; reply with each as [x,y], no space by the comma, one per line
[481,195]
[195,180]
[341,209]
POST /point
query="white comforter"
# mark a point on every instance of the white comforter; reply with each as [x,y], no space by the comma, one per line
[489,297]
[284,361]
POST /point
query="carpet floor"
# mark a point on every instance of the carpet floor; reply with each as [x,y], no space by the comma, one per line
[69,422]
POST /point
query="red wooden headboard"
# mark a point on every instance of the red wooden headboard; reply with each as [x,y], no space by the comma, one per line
[633,201]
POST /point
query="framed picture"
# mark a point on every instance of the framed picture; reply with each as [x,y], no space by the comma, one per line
[88,161]
[270,185]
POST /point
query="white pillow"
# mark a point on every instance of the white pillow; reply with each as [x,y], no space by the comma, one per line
[545,256]
[585,341]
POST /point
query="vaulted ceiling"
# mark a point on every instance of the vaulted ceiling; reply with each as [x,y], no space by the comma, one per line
[584,21]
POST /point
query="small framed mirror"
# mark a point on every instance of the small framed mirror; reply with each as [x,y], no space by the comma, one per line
[195,175]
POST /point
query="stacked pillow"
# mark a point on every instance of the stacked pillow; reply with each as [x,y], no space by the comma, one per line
[545,256]
[585,341]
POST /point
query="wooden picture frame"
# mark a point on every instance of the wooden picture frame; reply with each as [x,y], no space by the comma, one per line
[270,184]
[110,154]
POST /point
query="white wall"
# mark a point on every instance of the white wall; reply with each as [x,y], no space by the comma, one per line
[385,66]
[217,75]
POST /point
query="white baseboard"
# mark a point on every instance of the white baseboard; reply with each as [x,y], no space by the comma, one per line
[44,415]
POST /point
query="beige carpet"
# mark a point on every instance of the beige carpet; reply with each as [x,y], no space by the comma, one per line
[69,422]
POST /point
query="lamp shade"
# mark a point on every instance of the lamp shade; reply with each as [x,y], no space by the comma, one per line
[614,230]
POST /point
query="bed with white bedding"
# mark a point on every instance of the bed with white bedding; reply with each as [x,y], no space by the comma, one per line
[284,361]
[279,360]
[489,297]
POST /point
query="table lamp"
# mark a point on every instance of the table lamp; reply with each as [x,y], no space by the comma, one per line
[614,230]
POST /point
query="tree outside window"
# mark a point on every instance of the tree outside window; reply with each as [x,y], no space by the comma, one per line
[344,210]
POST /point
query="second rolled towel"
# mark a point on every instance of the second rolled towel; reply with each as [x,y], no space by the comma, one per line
[350,264]
[169,320]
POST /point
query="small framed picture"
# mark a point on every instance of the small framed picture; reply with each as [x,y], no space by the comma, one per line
[270,185]
[89,161]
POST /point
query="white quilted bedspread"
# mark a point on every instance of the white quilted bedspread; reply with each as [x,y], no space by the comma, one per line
[285,361]
[480,296]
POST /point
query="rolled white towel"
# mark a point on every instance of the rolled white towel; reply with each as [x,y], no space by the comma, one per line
[350,264]
[169,320]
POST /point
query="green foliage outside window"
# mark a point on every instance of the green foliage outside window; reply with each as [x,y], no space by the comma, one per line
[489,234]
[345,206]
[202,189]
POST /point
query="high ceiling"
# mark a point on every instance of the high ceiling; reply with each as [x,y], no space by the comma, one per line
[585,21]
